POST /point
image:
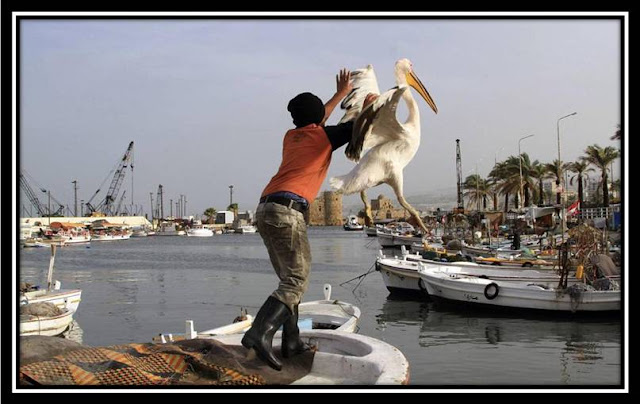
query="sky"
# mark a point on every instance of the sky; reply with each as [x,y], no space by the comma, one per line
[204,100]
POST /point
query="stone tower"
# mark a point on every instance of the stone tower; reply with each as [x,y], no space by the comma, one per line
[332,208]
[326,210]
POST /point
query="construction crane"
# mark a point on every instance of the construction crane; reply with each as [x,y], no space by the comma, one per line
[43,210]
[460,208]
[106,206]
[120,203]
[159,211]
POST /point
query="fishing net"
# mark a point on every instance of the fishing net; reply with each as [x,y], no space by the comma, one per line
[44,309]
[190,362]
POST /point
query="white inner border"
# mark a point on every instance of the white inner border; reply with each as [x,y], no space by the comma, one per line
[625,93]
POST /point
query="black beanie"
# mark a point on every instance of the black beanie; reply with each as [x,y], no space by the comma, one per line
[306,109]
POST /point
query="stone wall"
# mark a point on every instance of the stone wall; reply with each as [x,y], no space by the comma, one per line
[383,208]
[326,210]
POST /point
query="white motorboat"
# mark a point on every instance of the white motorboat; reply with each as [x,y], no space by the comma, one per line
[111,236]
[248,228]
[199,232]
[352,224]
[324,314]
[449,283]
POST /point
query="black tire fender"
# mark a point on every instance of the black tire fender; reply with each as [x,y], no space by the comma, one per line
[487,291]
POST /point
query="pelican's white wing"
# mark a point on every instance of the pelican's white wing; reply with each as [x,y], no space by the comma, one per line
[376,124]
[364,82]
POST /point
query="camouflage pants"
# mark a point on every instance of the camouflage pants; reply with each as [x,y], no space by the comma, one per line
[284,232]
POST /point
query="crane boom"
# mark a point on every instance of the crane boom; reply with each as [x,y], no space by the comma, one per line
[106,206]
[459,175]
[32,196]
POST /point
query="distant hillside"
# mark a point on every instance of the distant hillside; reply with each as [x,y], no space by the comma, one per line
[443,198]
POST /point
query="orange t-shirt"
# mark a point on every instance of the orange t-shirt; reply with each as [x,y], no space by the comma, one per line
[306,154]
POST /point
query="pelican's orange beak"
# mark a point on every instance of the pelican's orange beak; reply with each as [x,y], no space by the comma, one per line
[415,82]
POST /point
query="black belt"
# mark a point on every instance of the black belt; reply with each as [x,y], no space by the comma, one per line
[288,202]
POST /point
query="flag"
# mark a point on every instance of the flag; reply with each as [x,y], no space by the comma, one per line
[573,209]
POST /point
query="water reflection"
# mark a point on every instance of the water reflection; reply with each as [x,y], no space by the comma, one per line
[566,350]
[74,332]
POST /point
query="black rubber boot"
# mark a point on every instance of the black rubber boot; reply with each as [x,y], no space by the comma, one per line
[291,343]
[270,317]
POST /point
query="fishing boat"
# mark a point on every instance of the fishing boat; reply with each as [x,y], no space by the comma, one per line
[47,311]
[45,325]
[450,284]
[398,234]
[52,293]
[324,314]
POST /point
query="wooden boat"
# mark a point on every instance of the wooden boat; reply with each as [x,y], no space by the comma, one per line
[449,283]
[318,314]
[62,298]
[48,326]
[66,300]
[346,359]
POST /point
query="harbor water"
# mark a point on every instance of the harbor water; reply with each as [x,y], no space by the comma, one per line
[134,289]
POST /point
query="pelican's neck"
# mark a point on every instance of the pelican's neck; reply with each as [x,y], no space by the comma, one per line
[414,113]
[412,105]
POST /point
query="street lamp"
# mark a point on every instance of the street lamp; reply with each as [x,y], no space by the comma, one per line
[559,174]
[520,161]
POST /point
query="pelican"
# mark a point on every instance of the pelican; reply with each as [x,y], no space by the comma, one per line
[391,145]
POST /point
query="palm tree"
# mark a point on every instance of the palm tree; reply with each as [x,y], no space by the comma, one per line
[210,213]
[618,134]
[477,189]
[539,171]
[601,158]
[581,168]
[556,169]
[527,182]
[497,176]
[506,175]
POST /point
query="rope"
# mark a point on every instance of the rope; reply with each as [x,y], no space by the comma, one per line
[361,277]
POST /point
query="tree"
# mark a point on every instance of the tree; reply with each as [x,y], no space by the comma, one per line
[556,169]
[210,213]
[539,171]
[477,189]
[601,158]
[581,168]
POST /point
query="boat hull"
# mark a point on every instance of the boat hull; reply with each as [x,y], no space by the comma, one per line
[522,295]
[47,326]
[63,299]
[346,359]
[400,276]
